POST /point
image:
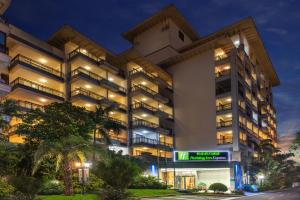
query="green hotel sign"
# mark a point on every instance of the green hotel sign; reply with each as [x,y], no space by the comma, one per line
[190,156]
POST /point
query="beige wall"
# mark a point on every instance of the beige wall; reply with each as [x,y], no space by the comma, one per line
[158,43]
[194,102]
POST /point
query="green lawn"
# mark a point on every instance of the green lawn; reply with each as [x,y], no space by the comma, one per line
[75,197]
[151,192]
[134,193]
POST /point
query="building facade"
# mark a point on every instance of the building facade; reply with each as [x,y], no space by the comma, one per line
[172,90]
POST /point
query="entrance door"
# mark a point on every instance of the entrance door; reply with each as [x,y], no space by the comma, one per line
[185,182]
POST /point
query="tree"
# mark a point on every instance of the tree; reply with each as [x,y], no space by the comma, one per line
[8,109]
[296,143]
[117,173]
[61,131]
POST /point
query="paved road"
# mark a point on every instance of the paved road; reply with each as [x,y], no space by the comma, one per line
[291,194]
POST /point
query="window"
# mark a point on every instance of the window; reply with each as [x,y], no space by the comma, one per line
[181,35]
[3,42]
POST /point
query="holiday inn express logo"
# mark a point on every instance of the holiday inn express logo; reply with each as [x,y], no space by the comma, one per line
[201,156]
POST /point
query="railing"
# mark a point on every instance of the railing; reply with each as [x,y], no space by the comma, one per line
[221,57]
[224,141]
[137,105]
[136,87]
[141,122]
[29,105]
[96,77]
[83,52]
[224,107]
[223,73]
[81,91]
[22,81]
[134,71]
[33,63]
[117,139]
[117,121]
[144,140]
[224,124]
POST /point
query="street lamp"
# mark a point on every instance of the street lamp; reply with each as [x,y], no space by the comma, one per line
[83,173]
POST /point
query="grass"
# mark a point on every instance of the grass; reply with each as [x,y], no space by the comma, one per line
[151,192]
[75,197]
[134,193]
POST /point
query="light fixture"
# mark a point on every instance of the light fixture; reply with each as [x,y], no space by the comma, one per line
[88,86]
[229,115]
[77,164]
[144,99]
[110,79]
[160,136]
[87,165]
[227,67]
[144,83]
[87,67]
[88,105]
[144,131]
[83,51]
[42,80]
[111,112]
[229,131]
[159,106]
[43,100]
[144,115]
[229,100]
[112,95]
[43,60]
[145,148]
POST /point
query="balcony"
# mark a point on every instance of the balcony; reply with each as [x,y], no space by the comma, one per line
[34,65]
[143,124]
[97,99]
[122,124]
[224,141]
[37,88]
[90,76]
[26,105]
[114,140]
[224,73]
[153,78]
[140,106]
[143,141]
[79,52]
[224,107]
[224,124]
[148,92]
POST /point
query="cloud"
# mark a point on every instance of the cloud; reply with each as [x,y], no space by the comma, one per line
[279,31]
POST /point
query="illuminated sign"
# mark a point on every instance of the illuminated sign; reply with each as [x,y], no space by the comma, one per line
[188,156]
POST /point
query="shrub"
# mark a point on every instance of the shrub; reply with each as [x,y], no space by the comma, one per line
[147,182]
[218,187]
[5,189]
[94,183]
[27,187]
[52,187]
[202,186]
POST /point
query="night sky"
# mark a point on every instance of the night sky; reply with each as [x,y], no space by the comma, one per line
[278,22]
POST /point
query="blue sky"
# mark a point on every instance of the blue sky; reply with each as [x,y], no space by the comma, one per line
[278,22]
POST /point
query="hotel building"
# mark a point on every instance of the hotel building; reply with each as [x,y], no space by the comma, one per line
[172,90]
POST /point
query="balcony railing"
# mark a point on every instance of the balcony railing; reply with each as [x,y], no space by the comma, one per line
[138,105]
[81,91]
[97,77]
[224,141]
[35,86]
[223,73]
[149,75]
[224,124]
[153,142]
[141,122]
[22,59]
[221,57]
[224,107]
[28,105]
[148,90]
[122,123]
[83,52]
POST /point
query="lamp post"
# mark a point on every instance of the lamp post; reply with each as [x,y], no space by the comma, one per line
[83,173]
[261,178]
